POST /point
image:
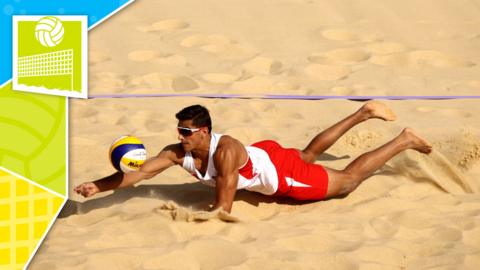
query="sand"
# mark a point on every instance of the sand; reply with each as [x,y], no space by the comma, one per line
[298,47]
[417,212]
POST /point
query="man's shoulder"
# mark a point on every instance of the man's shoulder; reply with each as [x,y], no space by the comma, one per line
[229,146]
[228,142]
[174,152]
[230,154]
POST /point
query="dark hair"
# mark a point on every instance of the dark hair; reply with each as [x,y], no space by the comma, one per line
[198,114]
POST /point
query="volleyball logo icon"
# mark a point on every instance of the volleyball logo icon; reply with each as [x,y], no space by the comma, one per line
[49,31]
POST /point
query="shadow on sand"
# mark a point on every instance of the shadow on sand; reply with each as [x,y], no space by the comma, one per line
[194,195]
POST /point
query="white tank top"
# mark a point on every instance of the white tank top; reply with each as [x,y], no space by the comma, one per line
[262,178]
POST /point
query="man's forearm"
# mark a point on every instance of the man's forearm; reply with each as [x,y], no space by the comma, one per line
[110,182]
[119,180]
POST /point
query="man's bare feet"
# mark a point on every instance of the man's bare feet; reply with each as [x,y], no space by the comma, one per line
[417,143]
[376,109]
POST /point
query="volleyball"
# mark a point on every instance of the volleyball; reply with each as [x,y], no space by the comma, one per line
[127,154]
[49,31]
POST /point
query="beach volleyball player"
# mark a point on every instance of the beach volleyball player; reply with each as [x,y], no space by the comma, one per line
[266,167]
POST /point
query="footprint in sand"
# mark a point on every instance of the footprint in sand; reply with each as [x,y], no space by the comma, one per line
[222,249]
[390,256]
[447,112]
[219,45]
[172,60]
[421,59]
[472,237]
[170,259]
[154,80]
[327,72]
[348,35]
[342,91]
[195,41]
[106,81]
[427,58]
[425,109]
[178,83]
[367,90]
[183,83]
[169,25]
[340,35]
[262,106]
[81,141]
[95,57]
[263,65]
[85,112]
[166,80]
[329,243]
[415,219]
[386,47]
[254,84]
[286,87]
[123,120]
[142,55]
[383,227]
[219,78]
[446,234]
[340,56]
[230,51]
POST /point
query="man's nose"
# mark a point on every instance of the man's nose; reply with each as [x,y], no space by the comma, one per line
[180,137]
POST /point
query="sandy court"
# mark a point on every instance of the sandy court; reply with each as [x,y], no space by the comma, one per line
[414,213]
[300,47]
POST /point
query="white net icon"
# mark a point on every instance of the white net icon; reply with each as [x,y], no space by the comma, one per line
[47,64]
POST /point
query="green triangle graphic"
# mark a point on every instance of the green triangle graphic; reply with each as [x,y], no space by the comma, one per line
[33,139]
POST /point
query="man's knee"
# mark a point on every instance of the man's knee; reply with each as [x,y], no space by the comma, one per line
[352,181]
[349,186]
[342,183]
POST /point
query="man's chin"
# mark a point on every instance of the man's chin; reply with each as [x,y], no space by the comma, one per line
[186,147]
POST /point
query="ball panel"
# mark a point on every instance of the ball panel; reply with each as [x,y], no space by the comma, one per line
[124,168]
[49,21]
[48,39]
[115,159]
[127,152]
[132,164]
[58,38]
[43,27]
[124,140]
[137,153]
[56,30]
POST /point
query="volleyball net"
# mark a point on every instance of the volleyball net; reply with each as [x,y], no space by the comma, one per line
[57,63]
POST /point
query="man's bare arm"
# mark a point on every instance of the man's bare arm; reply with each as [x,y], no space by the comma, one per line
[227,159]
[149,169]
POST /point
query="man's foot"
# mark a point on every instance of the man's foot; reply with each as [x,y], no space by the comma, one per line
[417,143]
[376,109]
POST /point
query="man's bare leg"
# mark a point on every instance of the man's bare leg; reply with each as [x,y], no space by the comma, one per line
[345,181]
[325,139]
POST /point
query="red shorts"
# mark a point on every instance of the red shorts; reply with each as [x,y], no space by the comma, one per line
[297,179]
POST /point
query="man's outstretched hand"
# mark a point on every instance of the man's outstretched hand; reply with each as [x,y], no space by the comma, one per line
[87,189]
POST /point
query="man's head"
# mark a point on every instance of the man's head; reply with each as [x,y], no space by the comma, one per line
[194,126]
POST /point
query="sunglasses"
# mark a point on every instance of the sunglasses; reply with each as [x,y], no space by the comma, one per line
[187,132]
